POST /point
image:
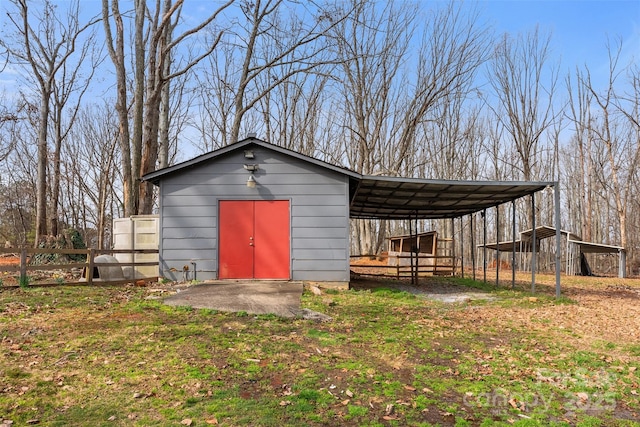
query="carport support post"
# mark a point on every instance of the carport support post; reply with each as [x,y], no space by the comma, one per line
[513,234]
[473,247]
[453,246]
[534,257]
[498,245]
[417,251]
[484,243]
[622,263]
[410,250]
[461,248]
[556,202]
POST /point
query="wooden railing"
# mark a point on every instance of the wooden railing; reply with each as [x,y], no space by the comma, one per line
[434,265]
[25,255]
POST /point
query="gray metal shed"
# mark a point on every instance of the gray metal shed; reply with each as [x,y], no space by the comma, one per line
[253,210]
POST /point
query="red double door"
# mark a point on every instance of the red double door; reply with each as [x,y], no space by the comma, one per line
[254,239]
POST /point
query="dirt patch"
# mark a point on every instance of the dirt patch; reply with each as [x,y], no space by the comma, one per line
[429,287]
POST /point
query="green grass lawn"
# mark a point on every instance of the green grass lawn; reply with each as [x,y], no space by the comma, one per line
[108,356]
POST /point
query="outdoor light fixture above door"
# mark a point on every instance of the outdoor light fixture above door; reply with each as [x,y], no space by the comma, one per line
[251,182]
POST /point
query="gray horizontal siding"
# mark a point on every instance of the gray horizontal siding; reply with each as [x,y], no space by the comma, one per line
[267,163]
[305,243]
[189,221]
[319,253]
[209,244]
[190,233]
[191,200]
[329,265]
[319,212]
[318,232]
[187,211]
[327,200]
[317,221]
[240,188]
[187,255]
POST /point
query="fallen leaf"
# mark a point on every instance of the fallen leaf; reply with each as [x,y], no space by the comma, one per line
[389,418]
[345,402]
[408,387]
[389,409]
[513,403]
[111,418]
[349,393]
[285,402]
[186,422]
[212,421]
[583,396]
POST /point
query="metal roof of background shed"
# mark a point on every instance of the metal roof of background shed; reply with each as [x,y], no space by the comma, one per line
[378,197]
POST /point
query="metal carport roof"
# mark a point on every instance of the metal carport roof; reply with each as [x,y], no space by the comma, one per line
[377,197]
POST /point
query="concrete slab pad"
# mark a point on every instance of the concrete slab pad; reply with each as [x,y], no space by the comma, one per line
[256,297]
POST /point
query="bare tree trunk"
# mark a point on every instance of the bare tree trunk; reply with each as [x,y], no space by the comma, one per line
[41,180]
[163,125]
[117,55]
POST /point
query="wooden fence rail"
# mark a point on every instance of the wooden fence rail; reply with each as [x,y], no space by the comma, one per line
[25,256]
[442,265]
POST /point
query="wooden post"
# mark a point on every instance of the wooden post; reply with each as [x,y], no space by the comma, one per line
[90,266]
[23,267]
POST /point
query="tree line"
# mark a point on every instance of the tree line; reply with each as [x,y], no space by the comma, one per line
[385,88]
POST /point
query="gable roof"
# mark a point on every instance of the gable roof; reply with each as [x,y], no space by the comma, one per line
[380,197]
[156,176]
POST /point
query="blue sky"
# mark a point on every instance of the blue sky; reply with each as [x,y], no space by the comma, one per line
[579,27]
